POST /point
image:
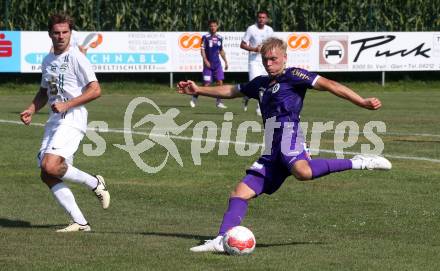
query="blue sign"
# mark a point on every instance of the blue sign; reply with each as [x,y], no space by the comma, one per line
[10,51]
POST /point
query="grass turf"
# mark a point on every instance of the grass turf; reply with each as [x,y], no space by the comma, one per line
[355,220]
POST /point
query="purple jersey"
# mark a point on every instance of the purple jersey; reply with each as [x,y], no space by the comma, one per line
[282,95]
[212,44]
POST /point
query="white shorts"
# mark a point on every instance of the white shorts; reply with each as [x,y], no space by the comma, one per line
[61,140]
[256,68]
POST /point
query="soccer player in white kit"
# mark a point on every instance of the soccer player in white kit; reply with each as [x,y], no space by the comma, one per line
[68,82]
[252,41]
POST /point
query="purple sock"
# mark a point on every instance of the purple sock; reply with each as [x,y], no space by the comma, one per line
[322,167]
[237,209]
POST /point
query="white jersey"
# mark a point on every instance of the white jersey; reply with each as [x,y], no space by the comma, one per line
[254,37]
[66,76]
[74,39]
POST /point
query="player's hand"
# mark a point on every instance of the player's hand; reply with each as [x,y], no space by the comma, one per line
[226,66]
[26,116]
[258,48]
[372,103]
[207,64]
[60,107]
[187,87]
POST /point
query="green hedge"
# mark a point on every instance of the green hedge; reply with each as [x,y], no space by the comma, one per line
[184,15]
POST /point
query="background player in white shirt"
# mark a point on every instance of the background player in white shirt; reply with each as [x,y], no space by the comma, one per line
[68,82]
[252,41]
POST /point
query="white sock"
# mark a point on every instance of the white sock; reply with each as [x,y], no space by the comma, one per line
[356,163]
[66,199]
[77,176]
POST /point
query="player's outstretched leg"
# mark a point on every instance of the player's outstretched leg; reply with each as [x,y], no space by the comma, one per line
[322,167]
[237,209]
[94,183]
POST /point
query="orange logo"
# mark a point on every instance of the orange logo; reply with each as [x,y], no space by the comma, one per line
[189,41]
[299,42]
[97,42]
[92,40]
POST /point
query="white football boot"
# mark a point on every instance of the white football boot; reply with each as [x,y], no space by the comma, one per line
[193,102]
[101,192]
[221,105]
[371,162]
[245,104]
[258,110]
[74,227]
[215,245]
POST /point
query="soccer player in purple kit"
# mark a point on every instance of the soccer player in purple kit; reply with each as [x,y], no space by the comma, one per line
[211,49]
[281,94]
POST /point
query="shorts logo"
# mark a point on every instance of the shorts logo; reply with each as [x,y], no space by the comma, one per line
[189,41]
[299,42]
[256,165]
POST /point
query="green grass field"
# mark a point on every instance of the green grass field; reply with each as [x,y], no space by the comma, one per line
[356,220]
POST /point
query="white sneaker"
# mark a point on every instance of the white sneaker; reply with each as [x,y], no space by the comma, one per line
[221,106]
[76,227]
[371,162]
[101,192]
[215,245]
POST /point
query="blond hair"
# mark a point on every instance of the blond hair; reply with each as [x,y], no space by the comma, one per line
[273,43]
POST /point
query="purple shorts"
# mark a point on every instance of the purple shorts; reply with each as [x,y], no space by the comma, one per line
[213,74]
[268,177]
[270,171]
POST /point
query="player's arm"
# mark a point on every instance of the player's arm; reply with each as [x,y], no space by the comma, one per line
[205,59]
[344,92]
[92,92]
[224,91]
[223,55]
[38,102]
[245,46]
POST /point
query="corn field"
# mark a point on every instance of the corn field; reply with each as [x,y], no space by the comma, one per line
[192,15]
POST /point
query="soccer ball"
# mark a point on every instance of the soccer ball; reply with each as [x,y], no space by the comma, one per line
[239,240]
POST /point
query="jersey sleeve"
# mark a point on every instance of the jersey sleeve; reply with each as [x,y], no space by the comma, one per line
[247,35]
[221,44]
[271,33]
[251,88]
[303,78]
[44,83]
[74,39]
[84,70]
[204,40]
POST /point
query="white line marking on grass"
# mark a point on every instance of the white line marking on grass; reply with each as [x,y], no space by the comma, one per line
[334,132]
[123,131]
